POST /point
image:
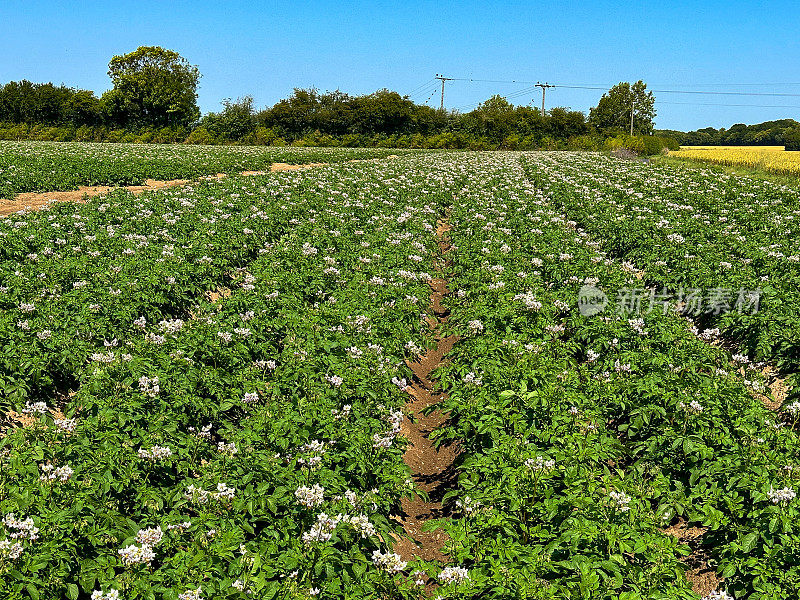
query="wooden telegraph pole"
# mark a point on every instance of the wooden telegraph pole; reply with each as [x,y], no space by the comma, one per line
[544,87]
[633,100]
[443,79]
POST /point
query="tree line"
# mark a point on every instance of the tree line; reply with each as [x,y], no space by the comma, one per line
[386,115]
[152,88]
[154,99]
[783,132]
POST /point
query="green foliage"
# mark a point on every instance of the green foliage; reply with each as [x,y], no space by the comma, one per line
[586,142]
[155,89]
[236,122]
[44,103]
[783,132]
[152,87]
[644,145]
[43,167]
[200,135]
[582,440]
[336,113]
[246,399]
[579,442]
[613,112]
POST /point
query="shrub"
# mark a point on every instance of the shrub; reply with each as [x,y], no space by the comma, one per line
[200,136]
[585,142]
[643,145]
[265,136]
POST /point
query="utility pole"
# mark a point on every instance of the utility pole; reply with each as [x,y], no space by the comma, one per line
[633,100]
[544,87]
[443,79]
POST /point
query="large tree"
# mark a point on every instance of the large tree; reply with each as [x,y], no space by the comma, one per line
[613,112]
[153,87]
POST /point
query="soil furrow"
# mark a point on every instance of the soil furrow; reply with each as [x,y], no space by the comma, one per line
[433,469]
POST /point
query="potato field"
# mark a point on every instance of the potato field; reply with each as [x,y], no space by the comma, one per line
[497,375]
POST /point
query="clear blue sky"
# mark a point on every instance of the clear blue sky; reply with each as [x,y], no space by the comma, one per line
[266,49]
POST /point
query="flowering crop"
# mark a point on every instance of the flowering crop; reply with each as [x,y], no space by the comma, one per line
[172,428]
[50,166]
[735,233]
[770,158]
[217,409]
[590,434]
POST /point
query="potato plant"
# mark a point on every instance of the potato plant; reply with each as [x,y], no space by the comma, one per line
[203,387]
[693,227]
[246,446]
[54,166]
[586,438]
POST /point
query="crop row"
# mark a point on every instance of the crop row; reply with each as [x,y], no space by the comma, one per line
[246,442]
[594,446]
[696,229]
[52,166]
[243,447]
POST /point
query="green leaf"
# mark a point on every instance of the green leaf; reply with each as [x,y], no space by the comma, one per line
[729,571]
[749,542]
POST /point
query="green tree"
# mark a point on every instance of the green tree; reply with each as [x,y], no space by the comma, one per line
[613,112]
[494,118]
[85,109]
[381,112]
[234,123]
[496,105]
[295,115]
[152,87]
[563,123]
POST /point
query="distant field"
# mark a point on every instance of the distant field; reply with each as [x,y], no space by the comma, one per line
[760,148]
[773,159]
[57,166]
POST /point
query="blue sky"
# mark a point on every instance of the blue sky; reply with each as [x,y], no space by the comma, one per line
[266,49]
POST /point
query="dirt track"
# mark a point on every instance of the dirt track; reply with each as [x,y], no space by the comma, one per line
[432,468]
[36,200]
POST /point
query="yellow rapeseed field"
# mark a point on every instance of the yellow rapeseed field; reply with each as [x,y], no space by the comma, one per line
[769,158]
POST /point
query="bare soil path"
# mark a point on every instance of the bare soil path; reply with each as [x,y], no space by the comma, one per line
[432,469]
[36,200]
[701,575]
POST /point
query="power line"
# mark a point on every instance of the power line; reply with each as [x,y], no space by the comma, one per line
[419,88]
[682,85]
[792,106]
[516,94]
[490,80]
[468,107]
[425,84]
[431,96]
[772,94]
[430,89]
[475,105]
[726,104]
[600,87]
[704,84]
[522,92]
[603,86]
